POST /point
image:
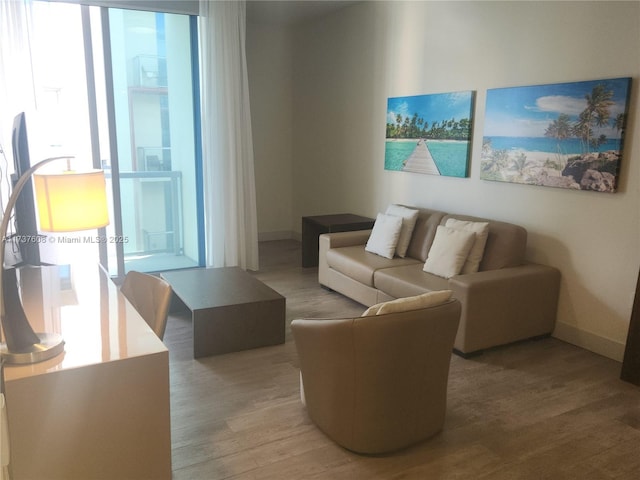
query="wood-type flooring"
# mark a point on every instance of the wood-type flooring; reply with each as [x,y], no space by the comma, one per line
[534,410]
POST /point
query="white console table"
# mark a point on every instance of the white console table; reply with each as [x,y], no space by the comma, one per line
[100,410]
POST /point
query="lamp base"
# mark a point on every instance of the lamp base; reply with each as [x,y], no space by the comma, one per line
[50,345]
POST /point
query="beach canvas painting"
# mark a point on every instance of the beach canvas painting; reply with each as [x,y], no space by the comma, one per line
[566,135]
[429,134]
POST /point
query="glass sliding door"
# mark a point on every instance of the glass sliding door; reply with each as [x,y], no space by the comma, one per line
[118,90]
[153,103]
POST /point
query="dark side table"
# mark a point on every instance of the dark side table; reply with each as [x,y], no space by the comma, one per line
[313,227]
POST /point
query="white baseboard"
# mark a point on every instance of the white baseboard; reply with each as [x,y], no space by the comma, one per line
[590,341]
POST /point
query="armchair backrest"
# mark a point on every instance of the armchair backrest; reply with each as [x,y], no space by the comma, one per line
[150,296]
[377,384]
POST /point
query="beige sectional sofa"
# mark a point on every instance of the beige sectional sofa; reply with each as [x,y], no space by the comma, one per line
[506,300]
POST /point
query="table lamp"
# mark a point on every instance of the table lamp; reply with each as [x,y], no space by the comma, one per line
[67,201]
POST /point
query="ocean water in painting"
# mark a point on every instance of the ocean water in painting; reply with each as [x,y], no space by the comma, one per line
[449,156]
[396,152]
[545,144]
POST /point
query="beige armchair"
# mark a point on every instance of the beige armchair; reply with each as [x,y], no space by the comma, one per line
[378,384]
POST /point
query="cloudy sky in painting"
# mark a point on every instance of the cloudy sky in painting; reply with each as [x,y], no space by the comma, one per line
[528,111]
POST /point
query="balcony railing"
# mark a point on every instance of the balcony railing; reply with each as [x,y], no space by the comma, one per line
[146,239]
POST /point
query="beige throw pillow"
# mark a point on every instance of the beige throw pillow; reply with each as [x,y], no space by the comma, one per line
[384,236]
[425,300]
[448,251]
[409,217]
[481,230]
[372,310]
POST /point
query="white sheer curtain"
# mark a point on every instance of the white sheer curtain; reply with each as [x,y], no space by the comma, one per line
[17,88]
[227,146]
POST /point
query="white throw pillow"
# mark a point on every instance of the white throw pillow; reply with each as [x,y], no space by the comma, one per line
[425,300]
[409,217]
[481,229]
[449,251]
[384,236]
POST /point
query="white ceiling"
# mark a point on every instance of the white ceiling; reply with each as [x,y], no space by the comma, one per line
[288,12]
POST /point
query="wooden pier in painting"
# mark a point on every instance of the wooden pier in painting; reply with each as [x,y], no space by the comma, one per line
[421,161]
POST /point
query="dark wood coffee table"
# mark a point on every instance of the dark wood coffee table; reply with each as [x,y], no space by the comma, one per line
[231,310]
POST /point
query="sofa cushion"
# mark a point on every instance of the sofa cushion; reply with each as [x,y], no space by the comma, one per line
[424,300]
[506,243]
[449,251]
[384,236]
[407,280]
[423,233]
[358,264]
[481,230]
[409,217]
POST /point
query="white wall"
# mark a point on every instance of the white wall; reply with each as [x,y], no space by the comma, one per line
[347,64]
[269,63]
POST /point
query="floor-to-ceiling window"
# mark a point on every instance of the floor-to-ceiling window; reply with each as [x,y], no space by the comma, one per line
[152,72]
[116,88]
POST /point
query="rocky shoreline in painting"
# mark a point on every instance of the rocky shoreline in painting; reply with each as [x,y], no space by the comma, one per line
[594,171]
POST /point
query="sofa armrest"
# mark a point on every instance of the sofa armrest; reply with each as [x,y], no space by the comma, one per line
[327,241]
[505,305]
[345,239]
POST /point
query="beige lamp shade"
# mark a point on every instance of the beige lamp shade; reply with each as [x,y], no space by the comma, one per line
[71,201]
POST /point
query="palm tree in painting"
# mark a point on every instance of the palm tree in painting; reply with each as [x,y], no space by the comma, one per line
[618,122]
[596,142]
[494,162]
[520,165]
[583,131]
[559,129]
[417,127]
[597,114]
